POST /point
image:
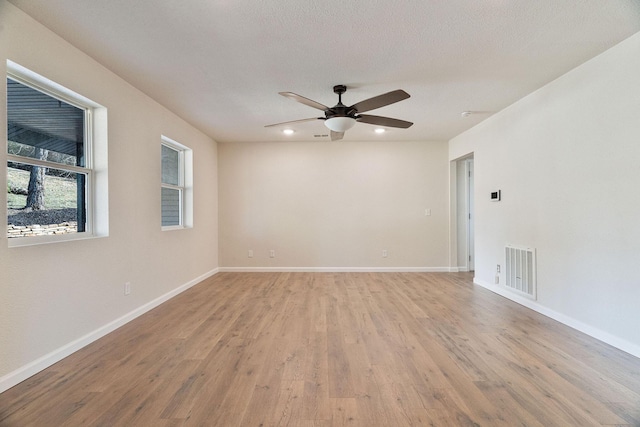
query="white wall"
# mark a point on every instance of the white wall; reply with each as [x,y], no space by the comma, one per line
[334,205]
[567,161]
[57,297]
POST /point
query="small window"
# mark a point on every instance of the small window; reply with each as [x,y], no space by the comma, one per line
[49,162]
[175,187]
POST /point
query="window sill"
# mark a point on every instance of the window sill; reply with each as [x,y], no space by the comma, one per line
[173,227]
[44,240]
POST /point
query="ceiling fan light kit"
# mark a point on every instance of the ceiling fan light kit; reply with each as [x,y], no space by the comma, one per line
[341,118]
[340,124]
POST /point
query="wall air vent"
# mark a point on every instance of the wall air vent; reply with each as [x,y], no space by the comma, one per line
[520,270]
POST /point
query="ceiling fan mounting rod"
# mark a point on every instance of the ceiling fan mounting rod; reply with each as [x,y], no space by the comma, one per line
[339,89]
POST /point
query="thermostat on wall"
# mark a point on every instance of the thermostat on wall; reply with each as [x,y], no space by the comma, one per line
[495,196]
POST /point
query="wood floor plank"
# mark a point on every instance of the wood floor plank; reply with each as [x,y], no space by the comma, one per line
[288,409]
[335,349]
[498,394]
[316,405]
[344,412]
[269,379]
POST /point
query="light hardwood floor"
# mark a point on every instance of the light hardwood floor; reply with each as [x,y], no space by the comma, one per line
[325,349]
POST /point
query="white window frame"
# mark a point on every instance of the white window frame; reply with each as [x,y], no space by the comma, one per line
[184,186]
[96,225]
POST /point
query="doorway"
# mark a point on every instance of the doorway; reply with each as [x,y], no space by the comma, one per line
[465,214]
[470,215]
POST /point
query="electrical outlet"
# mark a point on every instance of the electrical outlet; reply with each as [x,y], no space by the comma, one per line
[272,253]
[127,288]
[250,254]
[427,212]
[497,279]
[384,253]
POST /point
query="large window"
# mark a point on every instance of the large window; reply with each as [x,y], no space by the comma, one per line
[49,162]
[175,188]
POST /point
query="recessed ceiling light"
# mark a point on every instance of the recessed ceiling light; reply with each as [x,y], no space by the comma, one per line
[466,113]
[288,131]
[380,130]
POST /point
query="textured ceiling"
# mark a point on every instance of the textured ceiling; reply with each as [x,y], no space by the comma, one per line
[220,64]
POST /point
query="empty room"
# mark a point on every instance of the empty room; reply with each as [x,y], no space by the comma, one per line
[297,213]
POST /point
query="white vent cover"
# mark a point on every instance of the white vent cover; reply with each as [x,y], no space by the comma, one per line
[521,270]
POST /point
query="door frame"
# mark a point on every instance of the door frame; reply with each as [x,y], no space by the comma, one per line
[463,214]
[469,190]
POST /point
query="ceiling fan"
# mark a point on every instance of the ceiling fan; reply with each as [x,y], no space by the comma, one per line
[340,118]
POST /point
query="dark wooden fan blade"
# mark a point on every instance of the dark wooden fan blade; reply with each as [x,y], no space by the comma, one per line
[383,121]
[335,136]
[380,100]
[295,121]
[303,100]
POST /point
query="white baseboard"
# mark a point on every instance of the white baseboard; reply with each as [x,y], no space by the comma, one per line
[336,269]
[596,333]
[12,378]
